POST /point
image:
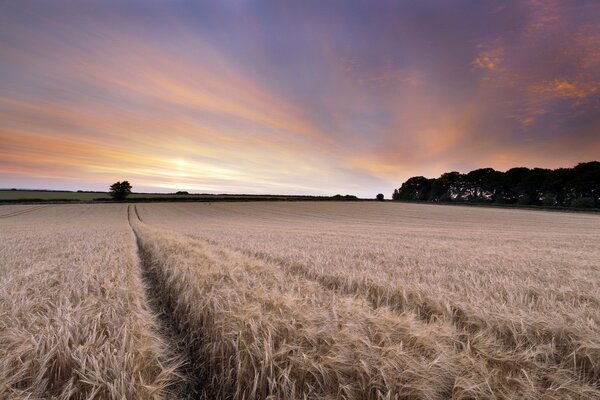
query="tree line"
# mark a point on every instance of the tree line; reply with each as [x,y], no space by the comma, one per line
[563,187]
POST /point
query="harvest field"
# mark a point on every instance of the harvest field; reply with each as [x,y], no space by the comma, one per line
[293,300]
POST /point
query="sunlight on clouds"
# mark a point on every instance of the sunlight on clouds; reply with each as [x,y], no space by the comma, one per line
[199,99]
[561,88]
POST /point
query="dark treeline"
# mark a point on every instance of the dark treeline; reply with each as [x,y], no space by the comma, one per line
[564,187]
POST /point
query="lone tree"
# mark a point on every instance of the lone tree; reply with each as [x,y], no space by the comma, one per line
[120,190]
[379,197]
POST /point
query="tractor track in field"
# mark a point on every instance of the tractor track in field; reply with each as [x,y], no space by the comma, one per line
[467,324]
[190,386]
[23,211]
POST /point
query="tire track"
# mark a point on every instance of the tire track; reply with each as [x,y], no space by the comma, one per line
[425,355]
[503,349]
[189,387]
[23,211]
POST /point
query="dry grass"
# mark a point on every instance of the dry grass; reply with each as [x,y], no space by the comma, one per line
[74,323]
[299,300]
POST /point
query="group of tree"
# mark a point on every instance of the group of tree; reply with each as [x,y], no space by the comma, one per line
[564,187]
[344,197]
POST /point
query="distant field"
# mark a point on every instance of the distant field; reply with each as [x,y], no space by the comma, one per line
[83,196]
[317,300]
[48,195]
[57,196]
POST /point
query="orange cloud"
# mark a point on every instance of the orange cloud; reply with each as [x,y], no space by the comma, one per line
[565,89]
[520,64]
[488,60]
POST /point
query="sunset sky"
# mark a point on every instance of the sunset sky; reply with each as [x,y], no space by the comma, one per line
[305,97]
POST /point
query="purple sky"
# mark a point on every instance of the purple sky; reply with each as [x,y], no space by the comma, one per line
[278,97]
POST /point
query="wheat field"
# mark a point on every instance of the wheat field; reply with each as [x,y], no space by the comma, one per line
[74,321]
[298,300]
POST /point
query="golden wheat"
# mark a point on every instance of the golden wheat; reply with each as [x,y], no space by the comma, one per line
[298,300]
[74,323]
[257,332]
[517,289]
